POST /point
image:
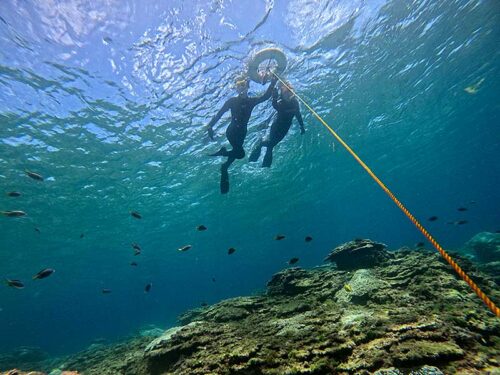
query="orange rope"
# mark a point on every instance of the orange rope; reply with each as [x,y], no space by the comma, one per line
[419,226]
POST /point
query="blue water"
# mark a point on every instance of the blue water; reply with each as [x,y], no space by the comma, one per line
[109,101]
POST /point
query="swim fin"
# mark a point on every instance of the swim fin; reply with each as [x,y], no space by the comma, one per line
[254,156]
[221,152]
[268,158]
[224,181]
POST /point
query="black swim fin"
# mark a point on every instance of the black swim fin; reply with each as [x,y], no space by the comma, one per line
[268,158]
[254,156]
[221,152]
[224,182]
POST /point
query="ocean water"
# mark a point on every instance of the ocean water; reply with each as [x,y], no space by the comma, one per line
[109,101]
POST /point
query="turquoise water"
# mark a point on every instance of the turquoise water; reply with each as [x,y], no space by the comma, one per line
[109,101]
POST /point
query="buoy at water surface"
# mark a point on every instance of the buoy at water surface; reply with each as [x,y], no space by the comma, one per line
[262,60]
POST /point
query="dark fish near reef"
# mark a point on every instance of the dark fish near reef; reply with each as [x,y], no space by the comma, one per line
[14,194]
[137,249]
[433,218]
[18,284]
[231,250]
[184,248]
[420,244]
[37,230]
[201,228]
[213,279]
[106,291]
[82,235]
[136,214]
[293,261]
[462,209]
[44,273]
[279,237]
[33,175]
[308,239]
[204,304]
[134,264]
[13,213]
[147,288]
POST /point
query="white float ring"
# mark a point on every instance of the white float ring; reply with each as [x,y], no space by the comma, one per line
[266,54]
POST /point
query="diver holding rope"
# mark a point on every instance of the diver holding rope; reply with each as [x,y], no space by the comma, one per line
[241,107]
[287,108]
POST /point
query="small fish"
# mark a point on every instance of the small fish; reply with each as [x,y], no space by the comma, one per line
[474,88]
[279,237]
[44,273]
[497,231]
[204,304]
[136,214]
[462,209]
[458,222]
[420,244]
[82,235]
[33,175]
[308,239]
[231,250]
[14,194]
[184,248]
[201,228]
[433,218]
[213,279]
[134,264]
[293,261]
[348,288]
[37,230]
[147,288]
[106,291]
[137,249]
[13,213]
[18,284]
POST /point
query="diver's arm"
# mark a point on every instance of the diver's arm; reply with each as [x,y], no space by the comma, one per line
[268,92]
[224,109]
[299,118]
[276,105]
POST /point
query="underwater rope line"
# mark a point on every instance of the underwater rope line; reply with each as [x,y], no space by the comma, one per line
[491,305]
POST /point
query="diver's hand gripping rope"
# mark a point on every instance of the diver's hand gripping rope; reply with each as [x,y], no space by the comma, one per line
[419,226]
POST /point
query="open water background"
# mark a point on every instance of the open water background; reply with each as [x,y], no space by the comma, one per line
[109,101]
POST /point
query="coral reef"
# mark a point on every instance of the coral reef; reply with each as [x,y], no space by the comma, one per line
[358,254]
[485,246]
[405,312]
[22,357]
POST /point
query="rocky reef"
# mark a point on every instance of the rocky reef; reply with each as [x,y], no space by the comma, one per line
[391,313]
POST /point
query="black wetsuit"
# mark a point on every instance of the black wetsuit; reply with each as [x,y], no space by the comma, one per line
[241,108]
[287,110]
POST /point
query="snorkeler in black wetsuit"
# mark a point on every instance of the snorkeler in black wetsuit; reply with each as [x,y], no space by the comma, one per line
[241,108]
[287,108]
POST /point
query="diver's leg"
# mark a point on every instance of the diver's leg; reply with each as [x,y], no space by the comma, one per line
[278,132]
[224,175]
